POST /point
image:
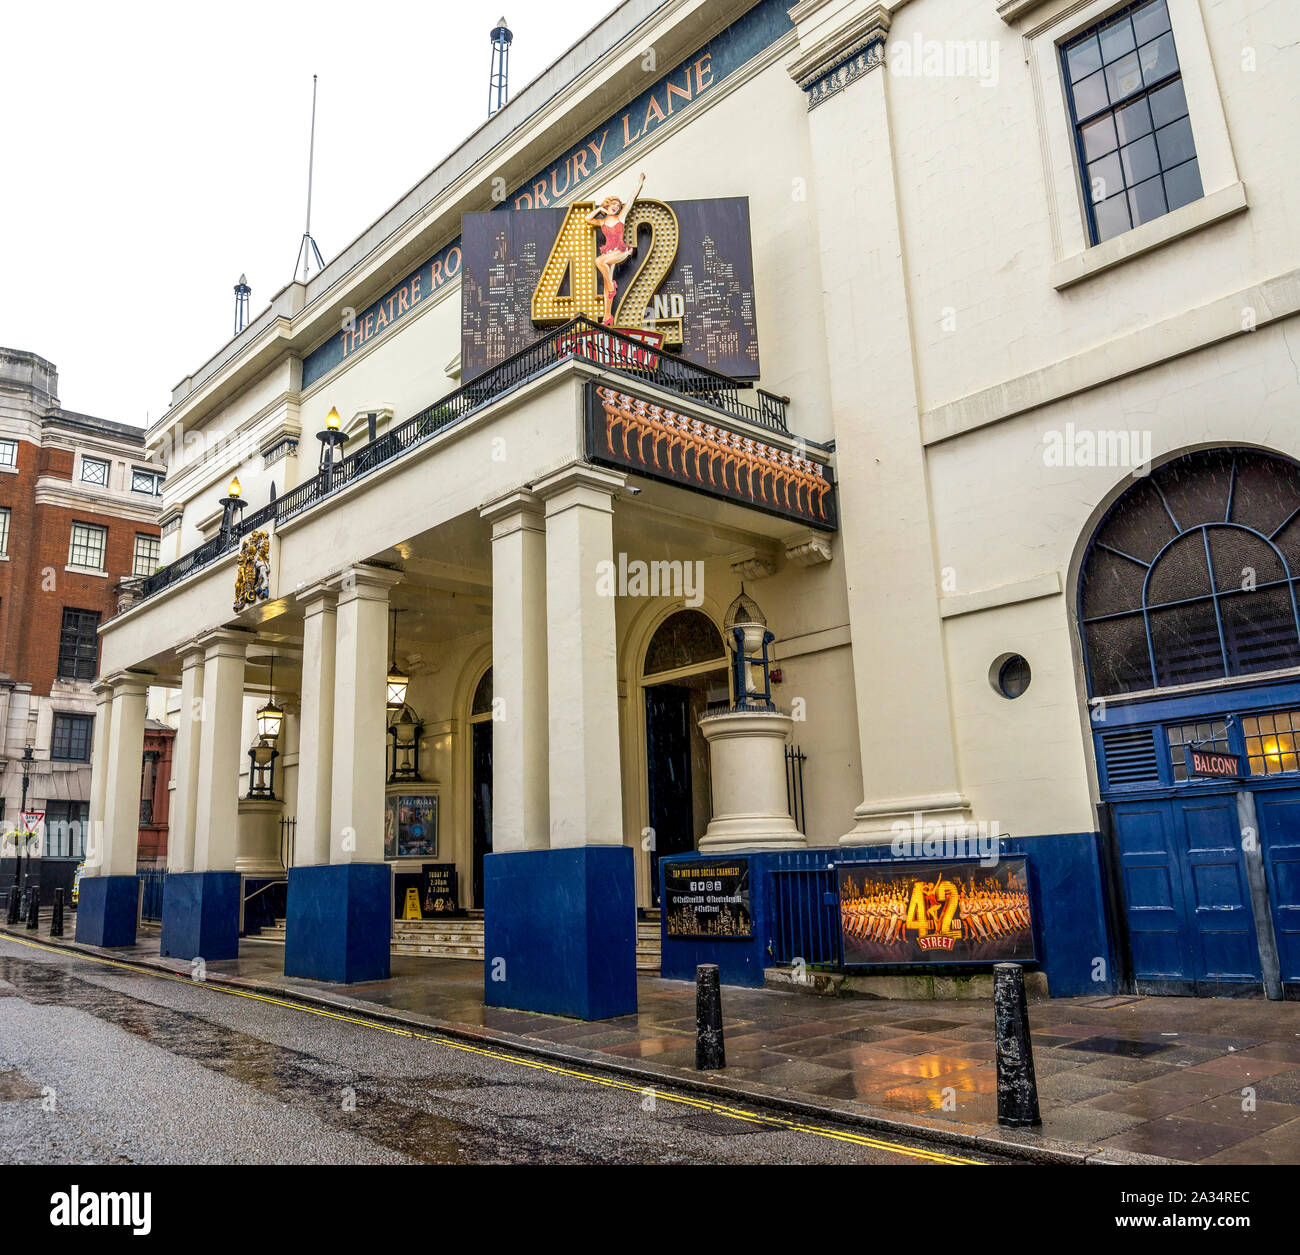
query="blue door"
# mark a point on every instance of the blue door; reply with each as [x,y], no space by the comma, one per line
[1187,900]
[1278,812]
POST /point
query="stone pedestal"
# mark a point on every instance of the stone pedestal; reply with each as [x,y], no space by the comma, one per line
[750,807]
[257,841]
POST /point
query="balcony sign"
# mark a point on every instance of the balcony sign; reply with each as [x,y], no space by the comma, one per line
[708,456]
[900,913]
[1213,763]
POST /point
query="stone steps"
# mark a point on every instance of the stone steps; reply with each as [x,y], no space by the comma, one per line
[462,938]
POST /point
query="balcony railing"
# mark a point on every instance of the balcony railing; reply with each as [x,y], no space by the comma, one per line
[579,340]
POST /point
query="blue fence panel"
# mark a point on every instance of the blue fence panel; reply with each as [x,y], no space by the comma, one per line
[805,917]
[151,901]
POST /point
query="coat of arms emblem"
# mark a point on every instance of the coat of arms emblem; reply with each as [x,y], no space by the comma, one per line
[253,576]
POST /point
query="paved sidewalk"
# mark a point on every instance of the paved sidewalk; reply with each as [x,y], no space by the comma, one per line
[1119,1078]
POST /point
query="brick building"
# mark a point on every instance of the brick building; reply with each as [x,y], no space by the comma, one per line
[79,504]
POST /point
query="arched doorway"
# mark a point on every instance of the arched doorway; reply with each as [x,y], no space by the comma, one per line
[683,672]
[480,730]
[1189,618]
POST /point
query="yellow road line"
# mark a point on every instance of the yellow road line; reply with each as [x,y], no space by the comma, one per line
[451,1043]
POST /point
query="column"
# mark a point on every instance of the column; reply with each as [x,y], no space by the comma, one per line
[185,762]
[360,717]
[316,738]
[909,762]
[520,766]
[581,656]
[94,838]
[200,918]
[339,922]
[106,914]
[220,749]
[582,961]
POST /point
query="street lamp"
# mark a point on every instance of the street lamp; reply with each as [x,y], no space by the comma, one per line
[232,506]
[746,634]
[332,441]
[29,757]
[262,756]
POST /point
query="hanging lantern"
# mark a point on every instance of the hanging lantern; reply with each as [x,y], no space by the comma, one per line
[270,717]
[397,678]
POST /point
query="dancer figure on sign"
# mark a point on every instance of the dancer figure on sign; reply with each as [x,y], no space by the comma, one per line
[611,217]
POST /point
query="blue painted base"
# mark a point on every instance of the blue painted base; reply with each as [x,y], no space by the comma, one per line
[338,923]
[106,910]
[200,915]
[559,931]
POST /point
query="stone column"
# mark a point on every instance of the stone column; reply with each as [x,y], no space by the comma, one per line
[107,908]
[909,762]
[581,655]
[316,736]
[200,918]
[220,751]
[98,777]
[185,762]
[360,716]
[339,922]
[560,923]
[520,766]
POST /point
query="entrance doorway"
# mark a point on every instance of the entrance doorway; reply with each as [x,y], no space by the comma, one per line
[480,725]
[684,673]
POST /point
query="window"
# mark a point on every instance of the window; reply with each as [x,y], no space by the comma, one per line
[1271,742]
[70,739]
[87,547]
[94,471]
[1013,676]
[79,644]
[1211,736]
[146,481]
[146,555]
[4,530]
[65,829]
[1130,120]
[682,639]
[1192,574]
[8,453]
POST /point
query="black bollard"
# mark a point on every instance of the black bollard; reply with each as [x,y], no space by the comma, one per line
[710,1051]
[33,909]
[56,920]
[14,899]
[1017,1088]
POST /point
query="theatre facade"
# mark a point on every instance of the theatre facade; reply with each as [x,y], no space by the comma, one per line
[822,477]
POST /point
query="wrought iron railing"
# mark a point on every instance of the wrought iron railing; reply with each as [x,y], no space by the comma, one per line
[579,340]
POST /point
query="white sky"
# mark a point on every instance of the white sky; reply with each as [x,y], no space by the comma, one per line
[156,150]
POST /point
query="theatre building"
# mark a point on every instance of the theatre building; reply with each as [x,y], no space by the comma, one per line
[863,543]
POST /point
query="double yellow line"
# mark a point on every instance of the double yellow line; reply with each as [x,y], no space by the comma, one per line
[523,1061]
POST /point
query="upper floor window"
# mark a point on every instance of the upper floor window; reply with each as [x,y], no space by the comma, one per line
[1132,132]
[79,644]
[1192,575]
[8,453]
[94,471]
[149,482]
[87,546]
[147,550]
[4,530]
[70,738]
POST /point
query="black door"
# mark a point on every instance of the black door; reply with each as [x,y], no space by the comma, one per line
[668,753]
[482,749]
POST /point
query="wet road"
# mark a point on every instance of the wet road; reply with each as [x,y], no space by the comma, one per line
[99,1064]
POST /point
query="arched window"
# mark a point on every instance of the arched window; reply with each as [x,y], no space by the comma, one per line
[682,639]
[482,702]
[1191,575]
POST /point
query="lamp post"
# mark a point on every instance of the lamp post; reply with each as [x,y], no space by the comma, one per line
[29,757]
[748,638]
[332,441]
[232,506]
